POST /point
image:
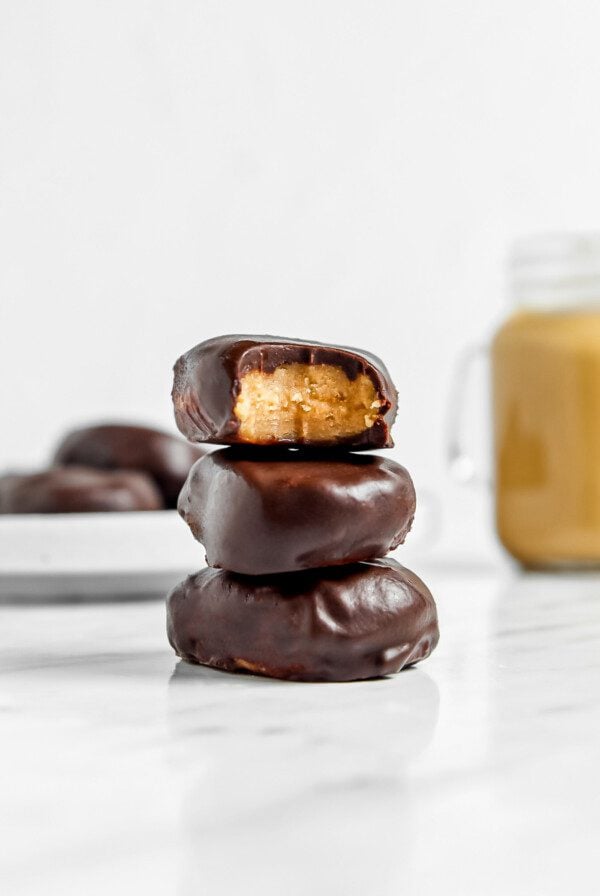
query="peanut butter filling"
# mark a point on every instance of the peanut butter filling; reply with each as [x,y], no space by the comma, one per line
[303,401]
[247,666]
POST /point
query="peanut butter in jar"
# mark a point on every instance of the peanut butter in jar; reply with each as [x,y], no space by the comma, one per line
[546,405]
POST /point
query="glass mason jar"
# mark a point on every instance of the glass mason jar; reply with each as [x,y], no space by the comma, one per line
[545,371]
[546,404]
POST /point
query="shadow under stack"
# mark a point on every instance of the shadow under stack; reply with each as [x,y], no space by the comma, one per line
[295,522]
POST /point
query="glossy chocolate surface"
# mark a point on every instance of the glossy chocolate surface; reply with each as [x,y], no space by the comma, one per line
[339,624]
[166,458]
[267,511]
[207,384]
[78,490]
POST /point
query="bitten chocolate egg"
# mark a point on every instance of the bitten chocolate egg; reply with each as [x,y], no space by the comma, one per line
[269,390]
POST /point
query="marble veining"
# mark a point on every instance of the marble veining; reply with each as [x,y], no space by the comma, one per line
[126,770]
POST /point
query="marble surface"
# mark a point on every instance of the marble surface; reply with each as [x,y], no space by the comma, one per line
[126,771]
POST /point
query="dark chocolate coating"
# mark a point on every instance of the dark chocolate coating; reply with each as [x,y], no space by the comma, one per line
[166,458]
[337,624]
[207,383]
[265,511]
[78,490]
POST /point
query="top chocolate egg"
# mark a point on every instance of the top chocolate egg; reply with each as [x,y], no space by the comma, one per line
[269,390]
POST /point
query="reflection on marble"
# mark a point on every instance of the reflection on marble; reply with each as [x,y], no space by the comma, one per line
[125,770]
[292,780]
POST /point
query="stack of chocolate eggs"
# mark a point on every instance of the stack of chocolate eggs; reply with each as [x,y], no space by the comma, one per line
[294,520]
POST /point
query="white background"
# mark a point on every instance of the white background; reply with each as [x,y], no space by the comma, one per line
[348,171]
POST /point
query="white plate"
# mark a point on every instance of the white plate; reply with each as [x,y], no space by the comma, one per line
[85,555]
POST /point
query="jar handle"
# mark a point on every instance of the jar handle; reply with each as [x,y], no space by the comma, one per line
[461,462]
